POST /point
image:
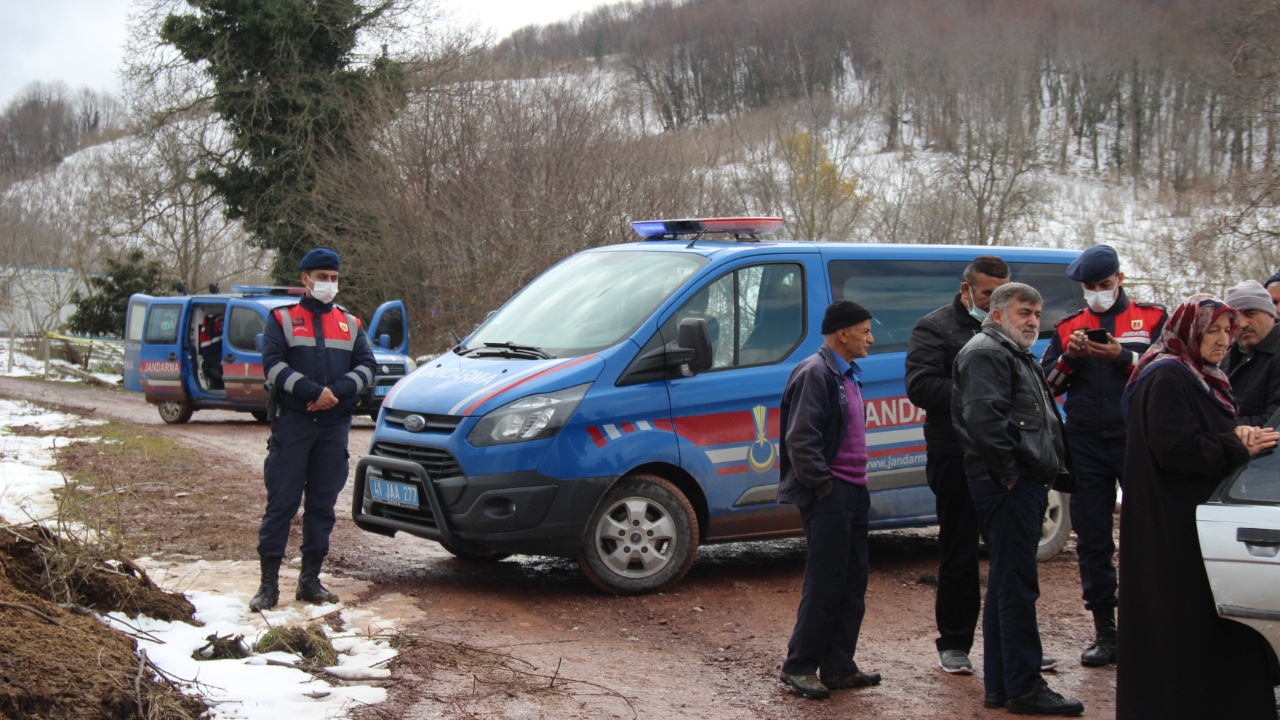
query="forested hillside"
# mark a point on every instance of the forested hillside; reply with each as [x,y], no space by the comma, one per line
[1149,125]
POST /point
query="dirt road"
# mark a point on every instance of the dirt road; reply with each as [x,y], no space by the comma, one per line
[710,648]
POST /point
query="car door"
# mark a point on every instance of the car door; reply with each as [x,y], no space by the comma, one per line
[161,368]
[135,319]
[1240,540]
[390,320]
[759,313]
[241,360]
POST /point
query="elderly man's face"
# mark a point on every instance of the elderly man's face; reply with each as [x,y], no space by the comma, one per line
[1252,326]
[854,342]
[1022,320]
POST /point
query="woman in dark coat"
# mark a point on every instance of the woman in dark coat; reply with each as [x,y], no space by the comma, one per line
[1176,657]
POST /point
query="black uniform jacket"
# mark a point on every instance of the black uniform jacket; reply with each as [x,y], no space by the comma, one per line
[1004,414]
[935,341]
[1255,379]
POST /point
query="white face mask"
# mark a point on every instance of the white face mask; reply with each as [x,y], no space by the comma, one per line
[1100,301]
[324,291]
[976,312]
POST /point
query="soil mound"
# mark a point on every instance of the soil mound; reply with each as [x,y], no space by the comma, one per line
[56,663]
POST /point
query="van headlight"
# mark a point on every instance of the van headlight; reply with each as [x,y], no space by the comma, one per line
[530,418]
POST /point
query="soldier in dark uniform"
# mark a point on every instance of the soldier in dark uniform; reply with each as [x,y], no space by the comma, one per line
[317,357]
[1093,374]
[211,349]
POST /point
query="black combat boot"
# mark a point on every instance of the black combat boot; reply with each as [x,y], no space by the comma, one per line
[1103,650]
[269,591]
[309,587]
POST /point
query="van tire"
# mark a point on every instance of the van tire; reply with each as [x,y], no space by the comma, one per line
[174,412]
[1056,527]
[662,524]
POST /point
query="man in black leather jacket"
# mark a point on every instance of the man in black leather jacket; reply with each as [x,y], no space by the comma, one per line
[1014,450]
[1253,362]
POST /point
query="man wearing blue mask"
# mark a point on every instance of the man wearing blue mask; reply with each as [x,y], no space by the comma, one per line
[318,359]
[931,353]
[1090,358]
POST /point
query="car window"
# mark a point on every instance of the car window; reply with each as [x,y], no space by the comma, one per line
[755,315]
[162,324]
[900,292]
[244,327]
[1259,481]
[390,324]
[137,313]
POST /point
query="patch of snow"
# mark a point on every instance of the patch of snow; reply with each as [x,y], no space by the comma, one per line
[26,483]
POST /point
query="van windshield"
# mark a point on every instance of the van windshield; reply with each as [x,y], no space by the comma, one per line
[586,303]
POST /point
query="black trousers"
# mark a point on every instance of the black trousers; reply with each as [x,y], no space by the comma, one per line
[1099,463]
[303,459]
[959,586]
[833,600]
[1010,633]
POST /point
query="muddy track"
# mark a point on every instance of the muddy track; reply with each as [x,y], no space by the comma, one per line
[710,648]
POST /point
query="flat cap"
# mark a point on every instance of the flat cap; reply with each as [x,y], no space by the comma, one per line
[843,314]
[320,259]
[1250,295]
[1097,263]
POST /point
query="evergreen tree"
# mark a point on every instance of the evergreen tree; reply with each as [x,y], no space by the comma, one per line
[286,83]
[102,311]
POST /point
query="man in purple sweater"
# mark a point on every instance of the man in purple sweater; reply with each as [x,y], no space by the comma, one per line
[824,471]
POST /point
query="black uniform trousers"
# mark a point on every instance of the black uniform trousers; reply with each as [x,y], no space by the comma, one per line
[1010,633]
[834,597]
[959,581]
[1099,463]
[304,459]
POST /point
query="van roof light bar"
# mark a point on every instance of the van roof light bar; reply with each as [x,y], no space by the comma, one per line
[742,228]
[267,290]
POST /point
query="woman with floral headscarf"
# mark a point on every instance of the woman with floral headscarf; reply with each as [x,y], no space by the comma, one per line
[1176,658]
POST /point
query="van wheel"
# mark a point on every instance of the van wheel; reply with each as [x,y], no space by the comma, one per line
[475,557]
[642,537]
[174,412]
[1056,528]
[259,415]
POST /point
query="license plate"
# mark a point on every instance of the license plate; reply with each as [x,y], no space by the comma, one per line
[381,390]
[394,493]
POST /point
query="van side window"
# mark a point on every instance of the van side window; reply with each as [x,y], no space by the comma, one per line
[162,324]
[244,327]
[900,292]
[137,313]
[755,315]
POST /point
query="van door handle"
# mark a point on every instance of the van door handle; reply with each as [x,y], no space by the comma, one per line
[229,358]
[1258,537]
[173,356]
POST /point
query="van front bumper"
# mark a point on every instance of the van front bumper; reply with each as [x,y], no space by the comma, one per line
[505,513]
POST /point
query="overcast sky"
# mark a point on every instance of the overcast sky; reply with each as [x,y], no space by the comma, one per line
[80,41]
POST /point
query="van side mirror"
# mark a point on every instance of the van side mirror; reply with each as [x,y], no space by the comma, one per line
[694,339]
[257,342]
[384,341]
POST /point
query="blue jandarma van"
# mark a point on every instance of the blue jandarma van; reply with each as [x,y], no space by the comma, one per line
[623,407]
[163,342]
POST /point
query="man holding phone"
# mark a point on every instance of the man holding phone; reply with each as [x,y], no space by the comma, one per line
[1090,358]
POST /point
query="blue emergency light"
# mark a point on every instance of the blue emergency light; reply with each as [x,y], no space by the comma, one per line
[267,290]
[671,229]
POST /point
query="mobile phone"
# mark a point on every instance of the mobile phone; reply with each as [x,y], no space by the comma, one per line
[1098,336]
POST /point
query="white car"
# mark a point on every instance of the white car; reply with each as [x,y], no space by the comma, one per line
[1240,539]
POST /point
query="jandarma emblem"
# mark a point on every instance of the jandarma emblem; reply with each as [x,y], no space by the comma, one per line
[761,448]
[415,423]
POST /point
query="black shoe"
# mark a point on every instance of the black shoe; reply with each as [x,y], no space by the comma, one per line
[1047,663]
[1103,650]
[805,685]
[993,700]
[1043,701]
[855,679]
[309,587]
[269,591]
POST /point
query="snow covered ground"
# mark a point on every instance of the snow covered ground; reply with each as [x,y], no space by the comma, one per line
[26,365]
[248,689]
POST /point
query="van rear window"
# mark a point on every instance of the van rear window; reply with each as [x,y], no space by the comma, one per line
[900,292]
[162,324]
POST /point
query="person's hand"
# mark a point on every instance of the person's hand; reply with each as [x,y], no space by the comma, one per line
[1257,439]
[1109,350]
[1076,346]
[326,400]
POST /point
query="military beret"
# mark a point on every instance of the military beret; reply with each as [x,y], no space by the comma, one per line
[1272,280]
[843,314]
[1097,263]
[320,259]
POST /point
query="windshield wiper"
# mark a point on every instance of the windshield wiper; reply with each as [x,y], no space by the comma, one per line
[510,349]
